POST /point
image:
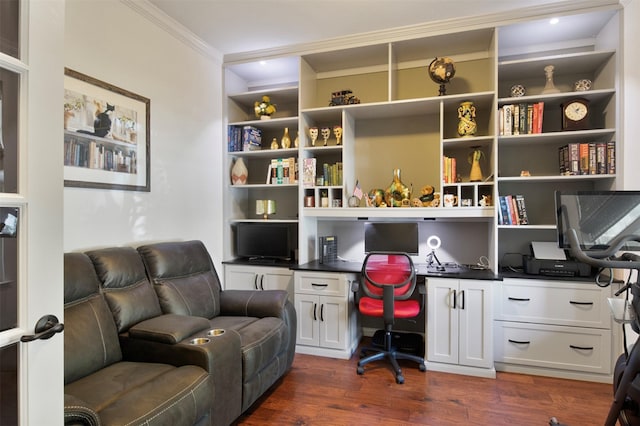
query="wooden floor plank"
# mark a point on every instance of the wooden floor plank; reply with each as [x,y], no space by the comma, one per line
[327,391]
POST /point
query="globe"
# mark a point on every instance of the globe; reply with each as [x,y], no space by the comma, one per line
[441,70]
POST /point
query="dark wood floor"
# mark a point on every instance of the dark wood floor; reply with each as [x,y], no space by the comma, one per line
[326,391]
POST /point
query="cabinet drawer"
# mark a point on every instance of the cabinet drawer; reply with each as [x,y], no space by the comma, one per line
[567,348]
[330,284]
[554,302]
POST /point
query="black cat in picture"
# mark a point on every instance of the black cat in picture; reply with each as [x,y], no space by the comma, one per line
[102,122]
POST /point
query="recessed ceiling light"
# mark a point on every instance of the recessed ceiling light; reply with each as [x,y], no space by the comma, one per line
[554,21]
[263,62]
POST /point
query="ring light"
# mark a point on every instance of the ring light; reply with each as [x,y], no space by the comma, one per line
[433,242]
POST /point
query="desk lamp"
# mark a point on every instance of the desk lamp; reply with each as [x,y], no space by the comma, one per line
[433,242]
[265,208]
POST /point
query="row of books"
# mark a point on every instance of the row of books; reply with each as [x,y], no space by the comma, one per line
[520,119]
[94,155]
[449,172]
[329,175]
[592,158]
[245,138]
[512,210]
[282,171]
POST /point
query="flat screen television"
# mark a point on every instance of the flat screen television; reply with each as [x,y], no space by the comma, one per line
[391,236]
[598,217]
[263,241]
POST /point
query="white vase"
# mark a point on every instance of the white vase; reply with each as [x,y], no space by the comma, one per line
[239,173]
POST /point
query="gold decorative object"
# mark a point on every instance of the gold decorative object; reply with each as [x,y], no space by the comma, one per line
[296,141]
[285,142]
[274,143]
[264,109]
[337,131]
[397,191]
[467,115]
[474,159]
[265,208]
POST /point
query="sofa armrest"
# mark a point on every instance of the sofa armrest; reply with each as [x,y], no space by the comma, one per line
[78,412]
[253,303]
[169,328]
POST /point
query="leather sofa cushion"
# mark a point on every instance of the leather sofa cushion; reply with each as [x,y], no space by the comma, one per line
[90,336]
[169,328]
[184,278]
[125,285]
[146,393]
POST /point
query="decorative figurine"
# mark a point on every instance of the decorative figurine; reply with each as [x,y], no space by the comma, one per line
[313,134]
[337,131]
[343,97]
[326,133]
[517,91]
[474,159]
[582,85]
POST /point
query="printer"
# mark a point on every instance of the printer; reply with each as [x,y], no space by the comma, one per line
[548,259]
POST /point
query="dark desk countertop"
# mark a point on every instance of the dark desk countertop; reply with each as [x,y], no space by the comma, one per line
[344,266]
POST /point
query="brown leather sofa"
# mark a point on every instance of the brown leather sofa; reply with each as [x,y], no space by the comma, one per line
[166,299]
[102,386]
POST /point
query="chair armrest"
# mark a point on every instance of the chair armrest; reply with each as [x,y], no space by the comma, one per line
[169,328]
[78,412]
[253,303]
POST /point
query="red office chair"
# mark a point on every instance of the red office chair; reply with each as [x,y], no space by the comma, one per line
[388,282]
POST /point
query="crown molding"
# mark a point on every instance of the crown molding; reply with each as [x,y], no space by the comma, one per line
[156,16]
[428,29]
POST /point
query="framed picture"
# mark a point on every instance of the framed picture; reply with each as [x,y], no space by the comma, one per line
[106,135]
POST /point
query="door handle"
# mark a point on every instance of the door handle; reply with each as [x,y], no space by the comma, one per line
[46,327]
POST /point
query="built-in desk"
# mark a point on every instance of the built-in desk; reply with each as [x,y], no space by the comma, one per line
[458,320]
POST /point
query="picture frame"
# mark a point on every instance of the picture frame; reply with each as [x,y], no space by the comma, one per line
[106,135]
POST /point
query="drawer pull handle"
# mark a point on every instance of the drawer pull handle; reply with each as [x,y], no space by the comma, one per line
[580,303]
[319,285]
[582,348]
[518,299]
[519,342]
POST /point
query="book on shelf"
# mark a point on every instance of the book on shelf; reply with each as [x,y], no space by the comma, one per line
[512,210]
[521,118]
[587,158]
[449,169]
[282,171]
[245,138]
[332,174]
[309,172]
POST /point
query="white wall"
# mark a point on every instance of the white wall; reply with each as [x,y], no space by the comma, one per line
[630,95]
[107,40]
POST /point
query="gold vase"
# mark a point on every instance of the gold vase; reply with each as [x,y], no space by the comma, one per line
[285,142]
[397,191]
[474,159]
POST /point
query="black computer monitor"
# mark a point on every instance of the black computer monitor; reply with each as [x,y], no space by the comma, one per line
[391,236]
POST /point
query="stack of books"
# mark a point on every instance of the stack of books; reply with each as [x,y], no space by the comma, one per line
[521,118]
[590,158]
[449,171]
[282,171]
[512,211]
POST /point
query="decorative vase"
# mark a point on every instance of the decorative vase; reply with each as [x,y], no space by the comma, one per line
[274,143]
[549,86]
[296,141]
[474,159]
[239,173]
[467,114]
[397,191]
[285,142]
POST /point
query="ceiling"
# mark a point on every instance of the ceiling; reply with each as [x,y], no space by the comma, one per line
[236,26]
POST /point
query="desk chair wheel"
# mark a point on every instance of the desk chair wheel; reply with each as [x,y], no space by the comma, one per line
[399,379]
[360,370]
[423,367]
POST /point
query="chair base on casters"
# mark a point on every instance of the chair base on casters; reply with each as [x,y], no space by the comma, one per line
[391,354]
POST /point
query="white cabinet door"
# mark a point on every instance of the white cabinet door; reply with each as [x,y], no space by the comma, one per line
[333,322]
[459,327]
[442,321]
[247,277]
[307,311]
[476,332]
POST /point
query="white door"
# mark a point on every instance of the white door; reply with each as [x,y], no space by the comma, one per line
[31,196]
[442,320]
[476,330]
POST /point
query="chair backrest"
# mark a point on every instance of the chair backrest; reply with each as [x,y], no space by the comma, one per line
[393,270]
[90,336]
[184,277]
[125,285]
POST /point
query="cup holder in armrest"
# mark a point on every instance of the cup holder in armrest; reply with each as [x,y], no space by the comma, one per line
[215,332]
[199,341]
